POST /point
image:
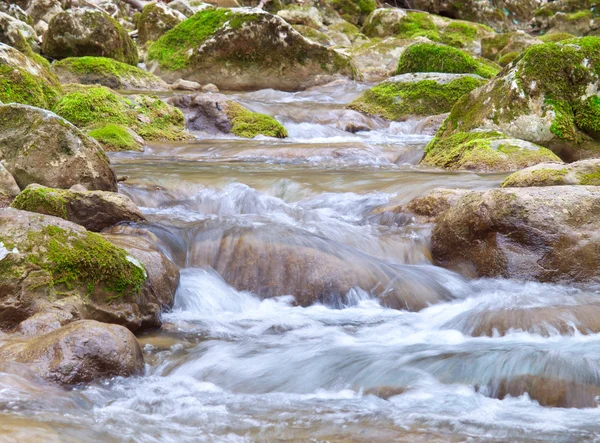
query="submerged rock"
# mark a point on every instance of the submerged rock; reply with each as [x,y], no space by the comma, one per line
[242,49]
[94,210]
[583,172]
[215,113]
[420,94]
[106,72]
[88,32]
[548,234]
[80,352]
[38,146]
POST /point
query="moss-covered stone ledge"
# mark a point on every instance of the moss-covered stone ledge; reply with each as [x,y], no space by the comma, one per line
[106,72]
[433,57]
[583,172]
[420,94]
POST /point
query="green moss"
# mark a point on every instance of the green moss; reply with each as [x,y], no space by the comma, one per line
[42,200]
[592,179]
[170,51]
[354,11]
[431,57]
[537,177]
[508,58]
[239,20]
[556,37]
[114,137]
[313,34]
[587,116]
[396,100]
[96,105]
[249,124]
[102,66]
[19,86]
[580,15]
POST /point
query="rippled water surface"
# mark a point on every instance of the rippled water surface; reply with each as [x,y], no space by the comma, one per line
[231,365]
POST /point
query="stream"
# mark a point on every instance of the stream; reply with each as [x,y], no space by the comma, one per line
[230,366]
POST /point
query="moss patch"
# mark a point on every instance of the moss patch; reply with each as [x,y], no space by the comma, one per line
[592,179]
[103,66]
[538,177]
[249,124]
[430,57]
[42,200]
[397,100]
[114,137]
[556,37]
[19,86]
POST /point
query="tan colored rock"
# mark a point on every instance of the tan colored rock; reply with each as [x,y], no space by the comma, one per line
[583,172]
[8,187]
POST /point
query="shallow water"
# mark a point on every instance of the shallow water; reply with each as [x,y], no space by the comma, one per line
[230,365]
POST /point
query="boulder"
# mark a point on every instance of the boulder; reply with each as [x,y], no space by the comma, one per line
[115,137]
[377,59]
[421,94]
[548,97]
[547,234]
[24,80]
[94,107]
[185,85]
[309,17]
[94,210]
[241,49]
[80,352]
[354,11]
[187,8]
[106,72]
[42,12]
[51,264]
[505,48]
[155,20]
[33,139]
[583,172]
[16,33]
[412,24]
[215,113]
[81,32]
[574,17]
[433,57]
[435,203]
[8,187]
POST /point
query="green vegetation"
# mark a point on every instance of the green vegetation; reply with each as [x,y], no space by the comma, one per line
[42,200]
[536,177]
[397,100]
[354,11]
[114,137]
[591,179]
[556,37]
[102,66]
[249,124]
[432,57]
[19,86]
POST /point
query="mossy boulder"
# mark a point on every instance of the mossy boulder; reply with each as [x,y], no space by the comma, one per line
[412,24]
[555,37]
[309,17]
[94,210]
[93,107]
[240,49]
[377,59]
[314,35]
[583,172]
[116,138]
[215,113]
[547,97]
[38,146]
[354,11]
[88,32]
[81,352]
[106,72]
[484,151]
[502,47]
[433,57]
[155,20]
[409,95]
[577,17]
[23,80]
[547,234]
[16,33]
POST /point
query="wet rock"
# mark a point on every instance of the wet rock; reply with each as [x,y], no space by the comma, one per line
[45,322]
[8,187]
[94,210]
[215,113]
[583,172]
[186,85]
[16,33]
[409,95]
[106,72]
[26,81]
[547,234]
[156,19]
[435,203]
[51,264]
[547,98]
[240,50]
[81,352]
[88,32]
[32,139]
[504,48]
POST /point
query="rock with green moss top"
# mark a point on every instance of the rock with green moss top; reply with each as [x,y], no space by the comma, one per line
[504,48]
[548,234]
[106,72]
[16,33]
[155,20]
[577,17]
[115,137]
[583,172]
[8,187]
[88,32]
[310,17]
[241,49]
[47,262]
[377,59]
[354,11]
[38,146]
[548,96]
[93,107]
[94,210]
[23,80]
[555,37]
[502,15]
[409,95]
[215,113]
[433,57]
[314,35]
[411,24]
[484,151]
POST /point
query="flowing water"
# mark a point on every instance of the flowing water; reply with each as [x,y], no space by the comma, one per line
[231,365]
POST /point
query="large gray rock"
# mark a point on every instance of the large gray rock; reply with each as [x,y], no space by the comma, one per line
[155,20]
[16,33]
[37,146]
[583,172]
[549,234]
